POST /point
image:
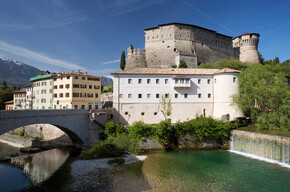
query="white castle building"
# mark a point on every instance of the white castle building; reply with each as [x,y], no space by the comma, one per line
[137,93]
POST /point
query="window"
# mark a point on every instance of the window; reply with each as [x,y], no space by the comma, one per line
[198,81]
[148,81]
[67,86]
[208,81]
[83,94]
[214,80]
[199,95]
[176,95]
[50,83]
[148,95]
[96,87]
[83,106]
[54,106]
[148,37]
[96,106]
[142,113]
[166,81]
[61,86]
[76,85]
[83,78]
[129,95]
[155,113]
[234,79]
[157,81]
[50,91]
[76,94]
[139,96]
[166,95]
[76,77]
[187,81]
[76,106]
[129,81]
[157,95]
[139,81]
[68,77]
[61,95]
[90,86]
[176,81]
[96,95]
[83,86]
[185,95]
[209,95]
[66,94]
[90,95]
[120,95]
[126,113]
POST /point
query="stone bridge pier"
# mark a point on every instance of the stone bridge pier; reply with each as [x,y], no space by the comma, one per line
[82,127]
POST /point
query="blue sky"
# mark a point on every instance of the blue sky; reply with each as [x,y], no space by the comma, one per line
[66,35]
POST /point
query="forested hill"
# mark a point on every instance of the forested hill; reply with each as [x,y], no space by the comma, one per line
[16,73]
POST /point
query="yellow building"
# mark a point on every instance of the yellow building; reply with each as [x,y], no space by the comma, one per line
[76,91]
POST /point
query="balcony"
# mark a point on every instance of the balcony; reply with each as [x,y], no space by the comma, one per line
[181,82]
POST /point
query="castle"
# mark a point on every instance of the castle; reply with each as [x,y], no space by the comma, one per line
[167,44]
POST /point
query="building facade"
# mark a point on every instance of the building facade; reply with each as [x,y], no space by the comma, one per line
[19,98]
[137,94]
[29,91]
[9,105]
[76,91]
[167,44]
[42,93]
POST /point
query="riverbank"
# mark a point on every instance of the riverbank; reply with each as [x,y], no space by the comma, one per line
[11,143]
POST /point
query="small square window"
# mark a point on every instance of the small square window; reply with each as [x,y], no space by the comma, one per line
[126,113]
[185,95]
[198,81]
[234,79]
[142,113]
[157,81]
[139,96]
[214,80]
[209,95]
[166,95]
[208,81]
[176,95]
[129,81]
[199,95]
[83,78]
[157,95]
[129,95]
[148,81]
[166,81]
[139,81]
[76,77]
[148,95]
[155,113]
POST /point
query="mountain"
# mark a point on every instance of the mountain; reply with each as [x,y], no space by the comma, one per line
[16,73]
[106,80]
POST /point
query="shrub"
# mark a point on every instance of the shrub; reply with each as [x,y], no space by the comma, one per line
[165,134]
[127,143]
[139,129]
[113,129]
[118,161]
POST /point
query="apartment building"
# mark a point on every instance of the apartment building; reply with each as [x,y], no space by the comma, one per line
[42,94]
[29,96]
[19,98]
[76,91]
[137,93]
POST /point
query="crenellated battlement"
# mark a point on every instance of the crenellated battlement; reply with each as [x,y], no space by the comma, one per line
[135,58]
[131,51]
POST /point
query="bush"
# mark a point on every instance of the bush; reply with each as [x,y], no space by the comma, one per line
[139,129]
[102,149]
[127,143]
[165,134]
[113,129]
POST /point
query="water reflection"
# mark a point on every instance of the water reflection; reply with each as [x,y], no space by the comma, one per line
[39,167]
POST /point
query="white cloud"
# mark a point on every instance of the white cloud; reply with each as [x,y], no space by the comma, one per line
[110,62]
[20,51]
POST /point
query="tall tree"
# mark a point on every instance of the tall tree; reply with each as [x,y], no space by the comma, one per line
[4,85]
[276,60]
[182,64]
[122,61]
[132,47]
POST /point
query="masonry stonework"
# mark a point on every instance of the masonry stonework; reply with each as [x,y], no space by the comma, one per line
[167,44]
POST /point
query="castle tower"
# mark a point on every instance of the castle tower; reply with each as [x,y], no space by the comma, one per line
[135,59]
[247,46]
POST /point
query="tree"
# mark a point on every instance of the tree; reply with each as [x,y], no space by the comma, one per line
[261,58]
[205,66]
[264,95]
[4,85]
[276,60]
[182,64]
[131,46]
[122,61]
[165,105]
[233,64]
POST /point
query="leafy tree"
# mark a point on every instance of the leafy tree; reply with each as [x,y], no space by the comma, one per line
[264,95]
[276,60]
[261,58]
[205,66]
[14,87]
[4,85]
[182,64]
[233,64]
[5,95]
[165,105]
[122,61]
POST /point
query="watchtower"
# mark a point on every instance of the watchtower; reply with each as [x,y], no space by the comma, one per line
[247,47]
[135,59]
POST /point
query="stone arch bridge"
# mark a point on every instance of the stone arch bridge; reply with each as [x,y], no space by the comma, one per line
[82,127]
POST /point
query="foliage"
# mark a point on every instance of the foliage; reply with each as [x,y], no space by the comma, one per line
[233,64]
[174,66]
[131,46]
[264,95]
[4,85]
[205,66]
[109,89]
[122,61]
[261,58]
[102,149]
[126,143]
[19,132]
[113,129]
[119,161]
[182,64]
[5,95]
[139,130]
[165,134]
[165,105]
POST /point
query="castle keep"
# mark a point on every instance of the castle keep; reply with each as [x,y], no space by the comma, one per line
[167,44]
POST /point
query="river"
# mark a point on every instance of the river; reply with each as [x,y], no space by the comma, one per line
[201,170]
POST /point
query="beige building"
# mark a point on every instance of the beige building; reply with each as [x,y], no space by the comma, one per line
[9,105]
[76,91]
[19,98]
